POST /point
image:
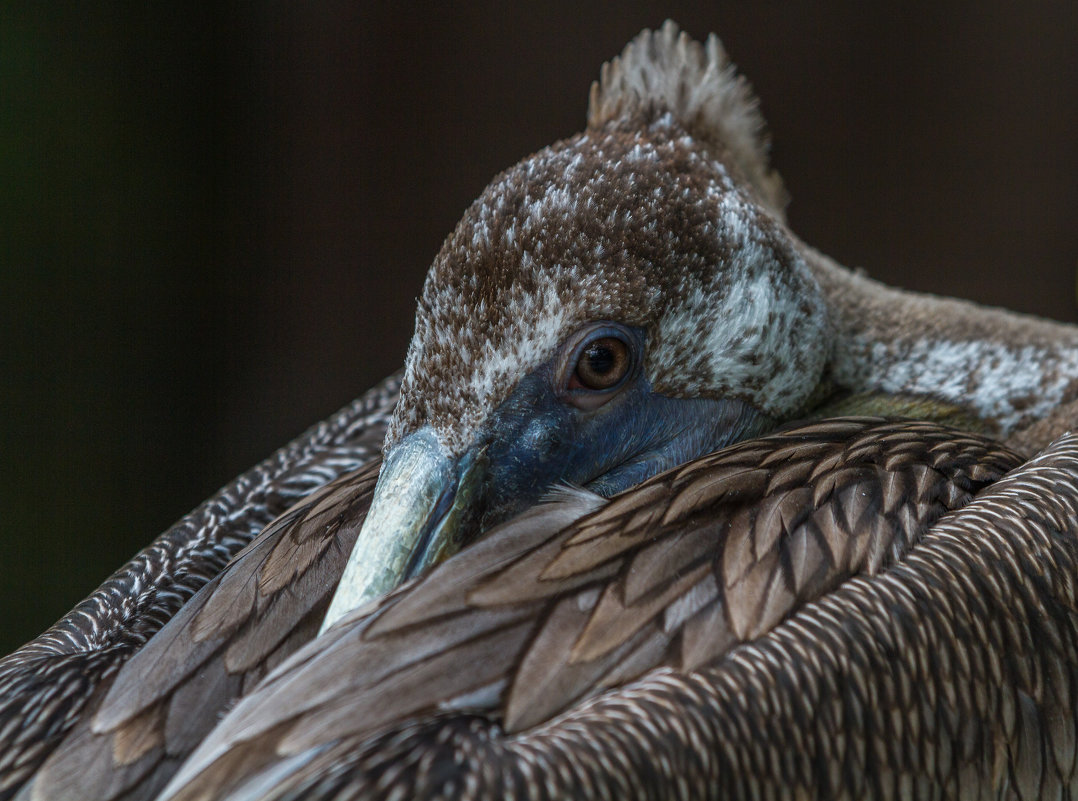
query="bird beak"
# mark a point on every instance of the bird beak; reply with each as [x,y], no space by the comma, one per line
[415,519]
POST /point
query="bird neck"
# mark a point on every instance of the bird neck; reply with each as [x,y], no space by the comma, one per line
[1008,370]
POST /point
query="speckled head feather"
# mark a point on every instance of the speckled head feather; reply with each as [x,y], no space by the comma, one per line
[666,69]
[640,220]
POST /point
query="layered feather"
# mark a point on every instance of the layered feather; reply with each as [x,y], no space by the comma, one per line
[571,602]
[50,688]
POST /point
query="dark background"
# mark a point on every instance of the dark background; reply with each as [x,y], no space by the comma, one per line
[213,225]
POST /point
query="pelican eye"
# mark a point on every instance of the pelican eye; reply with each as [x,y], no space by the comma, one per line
[603,364]
[598,362]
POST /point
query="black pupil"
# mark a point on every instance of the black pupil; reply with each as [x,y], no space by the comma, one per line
[601,359]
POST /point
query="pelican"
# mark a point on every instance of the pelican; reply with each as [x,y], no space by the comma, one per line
[632,615]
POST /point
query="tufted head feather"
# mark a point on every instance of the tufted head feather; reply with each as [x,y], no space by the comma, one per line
[640,220]
[665,70]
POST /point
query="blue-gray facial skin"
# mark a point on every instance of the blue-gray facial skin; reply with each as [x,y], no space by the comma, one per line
[587,417]
[548,432]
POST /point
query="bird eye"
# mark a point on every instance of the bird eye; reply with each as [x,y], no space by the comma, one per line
[596,362]
[603,363]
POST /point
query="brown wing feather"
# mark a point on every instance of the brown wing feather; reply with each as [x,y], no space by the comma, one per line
[170,694]
[586,603]
[870,692]
[51,683]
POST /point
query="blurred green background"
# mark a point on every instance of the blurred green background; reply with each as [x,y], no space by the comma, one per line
[214,223]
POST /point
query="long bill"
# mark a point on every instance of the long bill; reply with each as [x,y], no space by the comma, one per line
[414,520]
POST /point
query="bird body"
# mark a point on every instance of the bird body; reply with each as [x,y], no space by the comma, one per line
[575,600]
[856,608]
[584,629]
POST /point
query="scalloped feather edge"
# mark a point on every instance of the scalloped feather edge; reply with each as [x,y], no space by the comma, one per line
[698,85]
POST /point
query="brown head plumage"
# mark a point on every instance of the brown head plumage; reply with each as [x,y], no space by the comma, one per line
[663,214]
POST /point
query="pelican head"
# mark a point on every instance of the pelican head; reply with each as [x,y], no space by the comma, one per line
[612,306]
